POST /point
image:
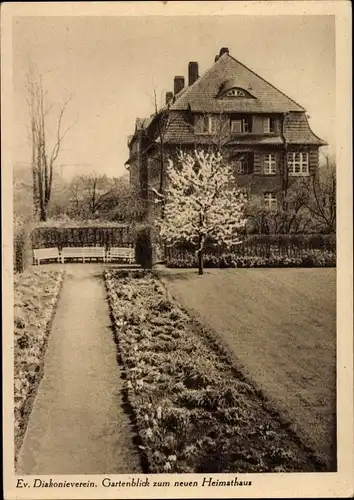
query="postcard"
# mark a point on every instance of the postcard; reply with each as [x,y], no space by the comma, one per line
[177,250]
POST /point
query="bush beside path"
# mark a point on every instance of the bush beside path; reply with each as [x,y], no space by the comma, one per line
[35,298]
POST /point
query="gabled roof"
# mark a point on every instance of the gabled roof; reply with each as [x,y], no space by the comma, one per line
[201,96]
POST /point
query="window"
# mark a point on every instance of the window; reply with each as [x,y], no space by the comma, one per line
[207,124]
[243,164]
[268,125]
[202,124]
[214,124]
[270,164]
[236,93]
[241,125]
[298,163]
[231,88]
[270,200]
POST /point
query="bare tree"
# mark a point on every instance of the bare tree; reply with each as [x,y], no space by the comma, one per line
[320,195]
[43,158]
[96,188]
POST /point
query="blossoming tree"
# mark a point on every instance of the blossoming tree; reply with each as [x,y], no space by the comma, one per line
[201,202]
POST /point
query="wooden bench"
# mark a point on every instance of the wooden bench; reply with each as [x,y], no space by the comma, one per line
[45,254]
[83,253]
[121,253]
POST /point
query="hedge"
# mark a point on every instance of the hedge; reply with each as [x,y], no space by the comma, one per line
[260,251]
[309,258]
[263,244]
[107,236]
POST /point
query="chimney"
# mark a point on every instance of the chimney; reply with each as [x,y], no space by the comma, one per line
[193,73]
[169,97]
[178,84]
[224,50]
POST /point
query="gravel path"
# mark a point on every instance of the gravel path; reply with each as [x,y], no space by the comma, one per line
[78,424]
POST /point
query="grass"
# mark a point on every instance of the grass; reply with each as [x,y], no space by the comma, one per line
[194,411]
[35,297]
[280,327]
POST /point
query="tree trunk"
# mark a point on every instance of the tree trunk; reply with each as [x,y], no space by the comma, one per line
[200,246]
[200,262]
[43,213]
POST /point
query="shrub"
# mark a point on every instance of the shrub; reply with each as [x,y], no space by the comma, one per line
[143,247]
[307,258]
[35,297]
[22,255]
[262,245]
[88,234]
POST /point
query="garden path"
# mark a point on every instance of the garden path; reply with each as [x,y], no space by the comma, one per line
[78,424]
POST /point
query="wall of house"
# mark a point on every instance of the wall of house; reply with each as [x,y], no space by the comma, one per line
[255,184]
[181,126]
[314,159]
[134,174]
[258,183]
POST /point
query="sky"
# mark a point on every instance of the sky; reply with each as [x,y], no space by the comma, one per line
[111,67]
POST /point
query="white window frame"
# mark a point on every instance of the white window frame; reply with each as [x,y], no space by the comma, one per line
[269,125]
[236,93]
[270,164]
[298,163]
[198,119]
[212,122]
[243,126]
[242,164]
[270,200]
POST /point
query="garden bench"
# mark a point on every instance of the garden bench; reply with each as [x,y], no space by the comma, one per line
[83,253]
[45,254]
[121,253]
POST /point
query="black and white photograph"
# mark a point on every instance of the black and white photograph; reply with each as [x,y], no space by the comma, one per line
[177,202]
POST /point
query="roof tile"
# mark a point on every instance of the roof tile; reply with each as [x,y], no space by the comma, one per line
[297,130]
[201,95]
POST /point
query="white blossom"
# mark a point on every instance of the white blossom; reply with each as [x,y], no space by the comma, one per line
[201,201]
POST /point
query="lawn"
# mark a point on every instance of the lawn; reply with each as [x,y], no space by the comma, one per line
[280,326]
[194,411]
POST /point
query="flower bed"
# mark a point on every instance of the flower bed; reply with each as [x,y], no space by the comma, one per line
[35,296]
[194,411]
[307,258]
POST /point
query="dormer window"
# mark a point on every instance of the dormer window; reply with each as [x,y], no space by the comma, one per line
[236,93]
[232,88]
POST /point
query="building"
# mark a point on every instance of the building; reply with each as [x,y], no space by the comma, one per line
[263,132]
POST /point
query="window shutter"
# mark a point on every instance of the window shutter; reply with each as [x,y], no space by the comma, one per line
[266,125]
